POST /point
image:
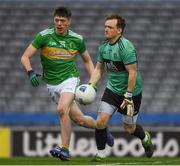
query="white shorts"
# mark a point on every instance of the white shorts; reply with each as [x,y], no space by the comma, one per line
[68,85]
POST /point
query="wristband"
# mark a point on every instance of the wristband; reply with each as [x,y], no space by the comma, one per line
[30,72]
[92,84]
[128,94]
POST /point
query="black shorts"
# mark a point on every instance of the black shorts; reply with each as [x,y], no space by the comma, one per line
[116,100]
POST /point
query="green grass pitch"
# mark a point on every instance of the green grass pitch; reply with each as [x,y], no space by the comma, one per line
[87,161]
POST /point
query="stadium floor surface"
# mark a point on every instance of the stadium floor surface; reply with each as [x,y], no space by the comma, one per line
[87,161]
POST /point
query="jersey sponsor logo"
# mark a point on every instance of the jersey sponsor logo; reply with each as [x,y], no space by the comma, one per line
[58,53]
[111,67]
[114,66]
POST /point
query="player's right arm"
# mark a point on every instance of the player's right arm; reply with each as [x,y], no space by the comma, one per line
[25,60]
[97,73]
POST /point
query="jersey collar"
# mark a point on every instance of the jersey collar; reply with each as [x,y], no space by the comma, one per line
[59,34]
[115,41]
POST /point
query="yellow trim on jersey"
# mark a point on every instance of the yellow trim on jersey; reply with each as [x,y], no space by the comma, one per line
[58,53]
[4,142]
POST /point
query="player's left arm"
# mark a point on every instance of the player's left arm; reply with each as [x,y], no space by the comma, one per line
[128,102]
[88,62]
[132,71]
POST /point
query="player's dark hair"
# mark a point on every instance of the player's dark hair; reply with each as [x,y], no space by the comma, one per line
[62,12]
[121,22]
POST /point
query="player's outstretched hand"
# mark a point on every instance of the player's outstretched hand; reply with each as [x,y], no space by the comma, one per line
[128,104]
[33,76]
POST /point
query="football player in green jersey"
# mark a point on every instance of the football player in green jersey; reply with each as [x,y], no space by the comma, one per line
[124,86]
[59,47]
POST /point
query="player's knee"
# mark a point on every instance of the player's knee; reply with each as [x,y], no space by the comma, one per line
[101,123]
[62,111]
[129,128]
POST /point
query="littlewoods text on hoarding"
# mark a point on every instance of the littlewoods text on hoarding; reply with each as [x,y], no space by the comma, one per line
[39,142]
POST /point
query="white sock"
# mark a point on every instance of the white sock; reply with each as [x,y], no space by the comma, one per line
[145,138]
[101,153]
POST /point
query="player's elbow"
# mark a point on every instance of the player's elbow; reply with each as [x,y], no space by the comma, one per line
[24,60]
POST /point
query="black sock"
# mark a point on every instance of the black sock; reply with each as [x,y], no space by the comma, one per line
[100,135]
[139,132]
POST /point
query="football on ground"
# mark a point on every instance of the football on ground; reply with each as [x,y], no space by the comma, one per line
[85,94]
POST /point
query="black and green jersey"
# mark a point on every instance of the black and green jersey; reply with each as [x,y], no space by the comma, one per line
[58,54]
[115,57]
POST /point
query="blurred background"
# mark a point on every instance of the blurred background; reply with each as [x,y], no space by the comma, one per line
[152,25]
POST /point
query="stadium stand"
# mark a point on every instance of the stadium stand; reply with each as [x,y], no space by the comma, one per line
[153,26]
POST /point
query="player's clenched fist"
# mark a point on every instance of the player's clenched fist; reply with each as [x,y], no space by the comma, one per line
[128,104]
[33,76]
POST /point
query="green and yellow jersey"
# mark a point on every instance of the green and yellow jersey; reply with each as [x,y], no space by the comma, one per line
[58,54]
[115,57]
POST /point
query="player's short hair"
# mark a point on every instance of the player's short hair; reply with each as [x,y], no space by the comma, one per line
[62,11]
[121,22]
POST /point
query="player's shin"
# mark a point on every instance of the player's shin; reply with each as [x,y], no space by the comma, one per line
[100,136]
[139,132]
[65,130]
